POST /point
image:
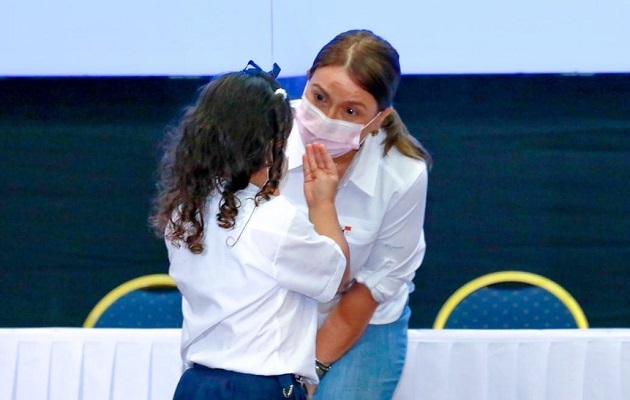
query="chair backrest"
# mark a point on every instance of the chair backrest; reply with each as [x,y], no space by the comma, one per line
[510,300]
[149,301]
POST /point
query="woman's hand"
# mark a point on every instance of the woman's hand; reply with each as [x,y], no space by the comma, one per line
[320,175]
[310,390]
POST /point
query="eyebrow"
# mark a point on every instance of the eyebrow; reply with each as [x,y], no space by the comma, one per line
[355,103]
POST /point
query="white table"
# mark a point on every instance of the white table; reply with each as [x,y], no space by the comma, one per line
[89,364]
[122,364]
[576,364]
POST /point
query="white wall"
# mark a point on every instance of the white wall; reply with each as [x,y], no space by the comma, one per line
[131,37]
[205,37]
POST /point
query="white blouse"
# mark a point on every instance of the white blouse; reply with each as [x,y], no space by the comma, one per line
[381,204]
[252,308]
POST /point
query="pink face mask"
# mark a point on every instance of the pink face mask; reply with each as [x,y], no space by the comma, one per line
[339,137]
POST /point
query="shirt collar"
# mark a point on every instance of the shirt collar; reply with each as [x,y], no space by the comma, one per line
[295,148]
[364,173]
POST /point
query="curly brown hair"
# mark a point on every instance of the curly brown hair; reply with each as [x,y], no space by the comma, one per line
[238,126]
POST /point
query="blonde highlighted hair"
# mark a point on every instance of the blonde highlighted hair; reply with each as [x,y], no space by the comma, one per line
[372,63]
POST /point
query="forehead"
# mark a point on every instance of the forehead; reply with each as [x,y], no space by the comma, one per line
[338,85]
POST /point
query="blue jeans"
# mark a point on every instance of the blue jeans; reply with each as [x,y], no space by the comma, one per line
[372,368]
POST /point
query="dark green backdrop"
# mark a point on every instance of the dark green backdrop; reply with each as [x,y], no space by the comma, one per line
[531,172]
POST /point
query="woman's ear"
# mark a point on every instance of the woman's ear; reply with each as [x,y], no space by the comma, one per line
[384,114]
[378,122]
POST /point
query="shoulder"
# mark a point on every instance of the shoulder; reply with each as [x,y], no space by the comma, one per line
[402,169]
[279,211]
[266,226]
[379,174]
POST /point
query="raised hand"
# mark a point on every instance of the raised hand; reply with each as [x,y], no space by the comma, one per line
[320,186]
[320,175]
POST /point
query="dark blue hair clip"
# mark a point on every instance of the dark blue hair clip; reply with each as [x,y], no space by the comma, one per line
[252,66]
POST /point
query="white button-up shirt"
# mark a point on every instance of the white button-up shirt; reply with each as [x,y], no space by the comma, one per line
[381,204]
[252,308]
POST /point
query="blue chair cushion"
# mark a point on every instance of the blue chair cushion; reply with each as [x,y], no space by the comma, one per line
[510,306]
[144,308]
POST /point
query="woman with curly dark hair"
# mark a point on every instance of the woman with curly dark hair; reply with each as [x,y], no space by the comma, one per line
[250,267]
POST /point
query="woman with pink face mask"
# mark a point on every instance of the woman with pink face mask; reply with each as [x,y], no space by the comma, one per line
[381,198]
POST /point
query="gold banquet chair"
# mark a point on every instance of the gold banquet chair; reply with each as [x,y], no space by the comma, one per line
[149,301]
[511,300]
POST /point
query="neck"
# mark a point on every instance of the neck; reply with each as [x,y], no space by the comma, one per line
[343,161]
[259,177]
[345,158]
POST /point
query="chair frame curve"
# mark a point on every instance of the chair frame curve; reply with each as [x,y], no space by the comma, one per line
[511,276]
[141,282]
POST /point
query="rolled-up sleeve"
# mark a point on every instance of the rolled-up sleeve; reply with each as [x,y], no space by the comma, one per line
[400,246]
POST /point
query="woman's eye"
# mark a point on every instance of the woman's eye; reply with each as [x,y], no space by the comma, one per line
[351,111]
[319,96]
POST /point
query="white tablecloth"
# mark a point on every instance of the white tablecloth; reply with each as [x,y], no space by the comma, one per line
[135,364]
[576,364]
[89,364]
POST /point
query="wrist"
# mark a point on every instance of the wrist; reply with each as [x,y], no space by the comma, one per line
[321,368]
[323,205]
